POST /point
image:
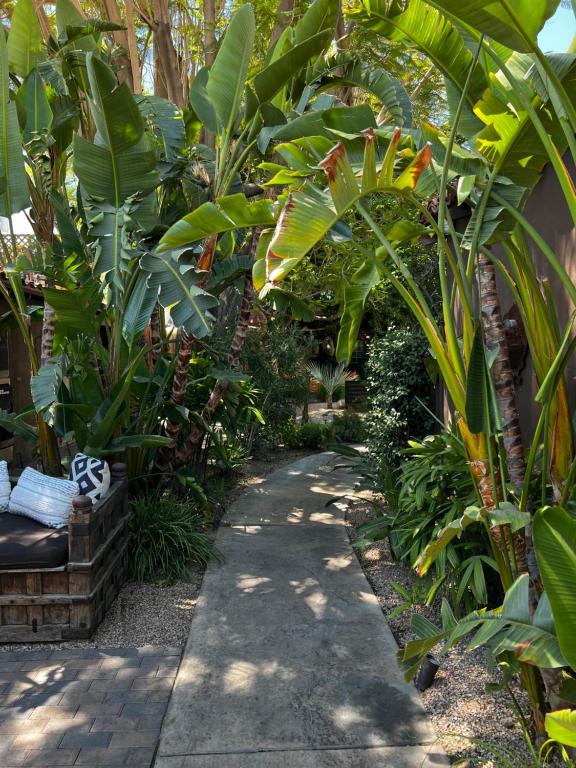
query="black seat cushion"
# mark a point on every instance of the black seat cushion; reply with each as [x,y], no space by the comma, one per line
[25,543]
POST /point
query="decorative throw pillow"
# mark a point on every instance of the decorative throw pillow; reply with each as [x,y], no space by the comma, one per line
[5,487]
[92,475]
[45,499]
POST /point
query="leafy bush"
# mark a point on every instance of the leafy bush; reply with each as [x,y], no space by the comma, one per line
[276,359]
[430,490]
[167,535]
[349,427]
[395,377]
[312,435]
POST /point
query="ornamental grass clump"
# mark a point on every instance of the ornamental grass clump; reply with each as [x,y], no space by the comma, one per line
[168,536]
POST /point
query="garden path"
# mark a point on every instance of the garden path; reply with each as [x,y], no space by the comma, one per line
[289,662]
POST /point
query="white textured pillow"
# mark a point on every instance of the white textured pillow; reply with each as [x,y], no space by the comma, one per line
[45,499]
[5,487]
[92,475]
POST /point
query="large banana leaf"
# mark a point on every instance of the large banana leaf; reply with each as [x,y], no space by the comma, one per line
[308,215]
[227,76]
[114,170]
[431,32]
[389,91]
[166,122]
[138,309]
[355,296]
[179,291]
[35,106]
[25,42]
[321,15]
[514,23]
[319,123]
[509,140]
[555,541]
[227,214]
[120,163]
[13,183]
[269,81]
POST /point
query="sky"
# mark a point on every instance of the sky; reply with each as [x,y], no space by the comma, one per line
[558,31]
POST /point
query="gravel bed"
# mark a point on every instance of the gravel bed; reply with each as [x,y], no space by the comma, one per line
[457,702]
[156,614]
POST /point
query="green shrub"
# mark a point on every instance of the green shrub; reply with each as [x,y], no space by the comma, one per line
[349,428]
[312,435]
[431,489]
[396,376]
[167,536]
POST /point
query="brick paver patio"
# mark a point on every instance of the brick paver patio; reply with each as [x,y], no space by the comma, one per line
[84,707]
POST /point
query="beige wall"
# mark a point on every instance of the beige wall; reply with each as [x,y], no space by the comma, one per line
[548,213]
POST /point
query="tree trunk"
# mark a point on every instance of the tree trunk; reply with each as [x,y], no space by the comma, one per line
[133,48]
[122,58]
[495,339]
[210,46]
[344,93]
[284,14]
[43,19]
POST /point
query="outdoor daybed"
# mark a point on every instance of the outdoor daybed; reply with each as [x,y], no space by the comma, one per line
[58,584]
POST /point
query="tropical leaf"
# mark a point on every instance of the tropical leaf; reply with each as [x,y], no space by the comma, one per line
[179,291]
[308,214]
[355,296]
[270,80]
[393,97]
[320,15]
[166,122]
[555,541]
[510,141]
[227,214]
[45,385]
[514,23]
[425,28]
[120,163]
[139,308]
[227,76]
[561,726]
[477,418]
[33,100]
[25,42]
[13,181]
[200,101]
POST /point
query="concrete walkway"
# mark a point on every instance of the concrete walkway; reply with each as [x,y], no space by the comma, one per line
[290,663]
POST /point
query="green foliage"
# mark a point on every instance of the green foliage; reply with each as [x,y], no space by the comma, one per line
[331,378]
[312,435]
[431,489]
[349,427]
[167,536]
[276,360]
[395,376]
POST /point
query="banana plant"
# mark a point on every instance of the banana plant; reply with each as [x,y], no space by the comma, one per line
[246,113]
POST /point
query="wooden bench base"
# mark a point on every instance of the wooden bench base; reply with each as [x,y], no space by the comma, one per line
[69,602]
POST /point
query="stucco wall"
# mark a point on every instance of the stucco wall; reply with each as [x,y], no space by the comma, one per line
[548,213]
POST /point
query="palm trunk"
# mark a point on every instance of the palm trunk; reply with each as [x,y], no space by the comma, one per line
[495,339]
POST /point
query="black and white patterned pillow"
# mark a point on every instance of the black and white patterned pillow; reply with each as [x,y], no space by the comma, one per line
[92,475]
